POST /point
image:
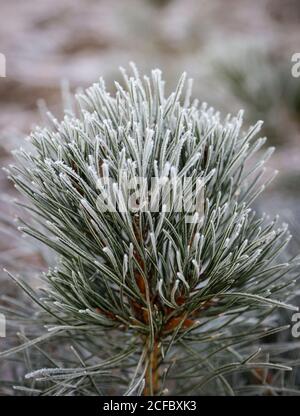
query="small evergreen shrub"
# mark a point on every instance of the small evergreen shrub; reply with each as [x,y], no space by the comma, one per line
[144,301]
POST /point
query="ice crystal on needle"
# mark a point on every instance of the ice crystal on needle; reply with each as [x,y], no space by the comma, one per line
[144,295]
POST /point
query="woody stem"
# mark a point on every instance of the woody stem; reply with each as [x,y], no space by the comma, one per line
[152,381]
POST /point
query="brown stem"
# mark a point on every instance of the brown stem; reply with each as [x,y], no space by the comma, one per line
[152,375]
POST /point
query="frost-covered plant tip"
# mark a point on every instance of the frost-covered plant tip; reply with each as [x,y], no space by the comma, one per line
[144,301]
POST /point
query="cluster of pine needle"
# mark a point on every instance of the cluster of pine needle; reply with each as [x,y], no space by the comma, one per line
[146,303]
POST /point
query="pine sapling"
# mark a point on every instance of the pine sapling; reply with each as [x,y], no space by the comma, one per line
[166,278]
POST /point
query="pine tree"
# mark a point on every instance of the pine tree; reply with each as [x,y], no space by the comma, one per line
[149,302]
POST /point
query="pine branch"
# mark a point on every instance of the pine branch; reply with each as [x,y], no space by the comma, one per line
[140,294]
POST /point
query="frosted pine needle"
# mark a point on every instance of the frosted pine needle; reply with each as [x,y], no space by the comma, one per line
[145,295]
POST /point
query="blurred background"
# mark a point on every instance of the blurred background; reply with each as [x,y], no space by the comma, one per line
[238,52]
